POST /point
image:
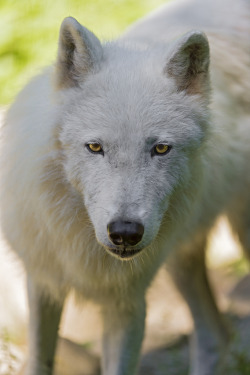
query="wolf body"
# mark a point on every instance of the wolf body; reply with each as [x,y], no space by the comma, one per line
[121,156]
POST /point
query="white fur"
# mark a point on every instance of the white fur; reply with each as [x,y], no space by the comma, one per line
[57,198]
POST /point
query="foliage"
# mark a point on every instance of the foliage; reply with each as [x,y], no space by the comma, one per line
[29,32]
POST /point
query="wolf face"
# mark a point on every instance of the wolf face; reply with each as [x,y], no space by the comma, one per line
[130,132]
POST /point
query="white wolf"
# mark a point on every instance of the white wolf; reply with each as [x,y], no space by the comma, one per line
[117,158]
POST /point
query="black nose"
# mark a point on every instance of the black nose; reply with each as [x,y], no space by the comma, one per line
[125,233]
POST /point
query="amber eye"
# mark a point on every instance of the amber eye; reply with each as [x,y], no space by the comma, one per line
[96,148]
[161,149]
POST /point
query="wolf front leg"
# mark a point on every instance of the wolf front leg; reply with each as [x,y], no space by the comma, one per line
[211,334]
[122,337]
[43,328]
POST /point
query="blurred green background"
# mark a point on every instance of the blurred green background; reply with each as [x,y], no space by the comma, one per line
[29,32]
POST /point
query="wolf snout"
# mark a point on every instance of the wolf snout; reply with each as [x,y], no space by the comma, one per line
[125,233]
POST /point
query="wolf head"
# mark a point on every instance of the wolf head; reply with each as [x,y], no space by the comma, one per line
[133,121]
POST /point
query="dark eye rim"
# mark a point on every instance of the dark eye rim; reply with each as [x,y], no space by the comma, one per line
[155,153]
[87,145]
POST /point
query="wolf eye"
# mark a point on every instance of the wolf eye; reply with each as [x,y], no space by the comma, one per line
[160,149]
[95,148]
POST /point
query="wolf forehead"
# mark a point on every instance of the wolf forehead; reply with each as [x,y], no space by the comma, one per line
[133,101]
[125,82]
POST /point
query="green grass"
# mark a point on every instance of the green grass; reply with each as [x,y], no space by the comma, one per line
[242,363]
[238,268]
[8,360]
[29,32]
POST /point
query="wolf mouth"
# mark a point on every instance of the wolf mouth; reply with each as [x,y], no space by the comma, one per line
[124,253]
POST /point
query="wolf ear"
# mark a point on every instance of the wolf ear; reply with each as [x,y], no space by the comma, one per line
[189,63]
[79,52]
